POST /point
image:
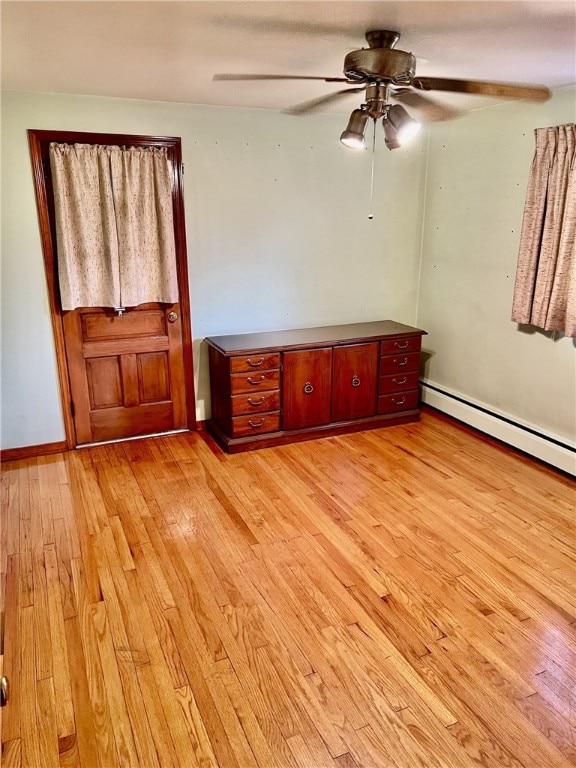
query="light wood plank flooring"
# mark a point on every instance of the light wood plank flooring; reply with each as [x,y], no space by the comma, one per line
[398,598]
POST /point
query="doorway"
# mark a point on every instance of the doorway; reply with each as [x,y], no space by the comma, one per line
[122,374]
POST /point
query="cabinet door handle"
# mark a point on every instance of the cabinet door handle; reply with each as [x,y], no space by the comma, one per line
[400,345]
[259,380]
[252,401]
[400,362]
[403,380]
[255,363]
[308,388]
[256,424]
[399,402]
[355,381]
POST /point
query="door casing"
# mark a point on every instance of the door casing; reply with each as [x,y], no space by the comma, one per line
[39,142]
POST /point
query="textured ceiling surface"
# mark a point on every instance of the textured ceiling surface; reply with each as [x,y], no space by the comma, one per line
[169,51]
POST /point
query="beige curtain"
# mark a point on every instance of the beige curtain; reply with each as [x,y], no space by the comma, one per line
[114,225]
[545,288]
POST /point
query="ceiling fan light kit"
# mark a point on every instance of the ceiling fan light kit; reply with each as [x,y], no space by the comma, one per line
[386,73]
[399,127]
[404,126]
[353,136]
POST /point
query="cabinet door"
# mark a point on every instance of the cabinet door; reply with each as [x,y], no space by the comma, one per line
[354,379]
[307,375]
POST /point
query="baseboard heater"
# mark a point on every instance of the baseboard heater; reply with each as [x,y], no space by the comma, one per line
[547,448]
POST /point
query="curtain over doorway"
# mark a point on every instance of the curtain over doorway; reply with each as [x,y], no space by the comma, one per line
[114,225]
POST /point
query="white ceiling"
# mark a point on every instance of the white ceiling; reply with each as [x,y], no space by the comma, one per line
[169,51]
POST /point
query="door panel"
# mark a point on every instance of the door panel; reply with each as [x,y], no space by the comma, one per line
[126,372]
[307,377]
[354,379]
[153,381]
[104,382]
[131,422]
[102,327]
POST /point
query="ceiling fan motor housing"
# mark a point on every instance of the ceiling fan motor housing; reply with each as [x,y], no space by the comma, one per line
[375,64]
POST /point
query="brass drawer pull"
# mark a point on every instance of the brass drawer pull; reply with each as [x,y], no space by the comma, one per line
[398,402]
[308,388]
[256,424]
[403,380]
[260,400]
[398,345]
[255,363]
[355,381]
[259,380]
[401,362]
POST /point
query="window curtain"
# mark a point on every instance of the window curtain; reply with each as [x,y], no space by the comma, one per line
[545,288]
[114,225]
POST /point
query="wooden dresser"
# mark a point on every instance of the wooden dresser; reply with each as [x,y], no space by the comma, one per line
[281,386]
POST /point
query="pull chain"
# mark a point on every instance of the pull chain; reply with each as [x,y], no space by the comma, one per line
[371,214]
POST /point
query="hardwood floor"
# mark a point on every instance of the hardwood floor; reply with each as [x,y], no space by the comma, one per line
[402,597]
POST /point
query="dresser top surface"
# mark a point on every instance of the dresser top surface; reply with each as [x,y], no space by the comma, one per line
[310,337]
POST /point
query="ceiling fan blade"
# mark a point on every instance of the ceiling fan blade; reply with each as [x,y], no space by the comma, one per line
[312,104]
[431,110]
[483,88]
[280,77]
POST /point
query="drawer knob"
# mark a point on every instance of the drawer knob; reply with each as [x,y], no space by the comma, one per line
[255,363]
[308,388]
[397,361]
[256,424]
[399,402]
[403,380]
[259,401]
[401,344]
[355,381]
[259,380]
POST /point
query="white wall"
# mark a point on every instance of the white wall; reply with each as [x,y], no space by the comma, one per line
[277,227]
[478,168]
[279,236]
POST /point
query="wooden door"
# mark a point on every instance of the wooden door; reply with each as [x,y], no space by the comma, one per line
[126,372]
[306,388]
[120,376]
[354,380]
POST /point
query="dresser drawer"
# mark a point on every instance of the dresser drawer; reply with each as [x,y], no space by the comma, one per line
[256,362]
[403,401]
[408,344]
[254,381]
[257,402]
[401,362]
[243,426]
[398,382]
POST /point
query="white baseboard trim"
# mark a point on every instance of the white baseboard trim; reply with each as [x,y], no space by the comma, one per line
[540,446]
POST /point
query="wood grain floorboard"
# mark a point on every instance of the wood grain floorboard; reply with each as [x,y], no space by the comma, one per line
[403,597]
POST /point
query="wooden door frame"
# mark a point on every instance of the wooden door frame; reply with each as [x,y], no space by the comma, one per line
[39,141]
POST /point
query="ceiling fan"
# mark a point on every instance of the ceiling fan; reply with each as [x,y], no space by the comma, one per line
[384,73]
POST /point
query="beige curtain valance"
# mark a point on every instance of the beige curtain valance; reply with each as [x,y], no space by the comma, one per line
[114,225]
[545,288]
